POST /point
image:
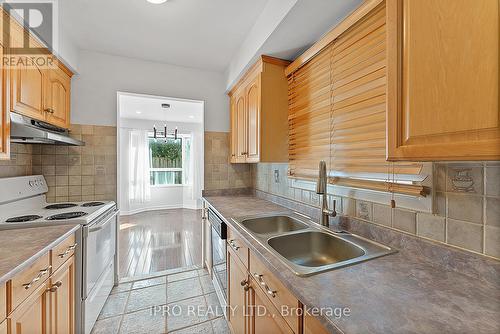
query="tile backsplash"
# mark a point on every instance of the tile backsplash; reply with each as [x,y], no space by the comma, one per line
[219,173]
[20,163]
[467,205]
[79,173]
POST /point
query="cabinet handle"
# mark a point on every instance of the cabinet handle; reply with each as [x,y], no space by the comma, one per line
[245,285]
[233,245]
[54,287]
[270,292]
[50,110]
[67,251]
[40,274]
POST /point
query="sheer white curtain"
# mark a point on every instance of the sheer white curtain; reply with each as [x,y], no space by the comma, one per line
[193,163]
[139,182]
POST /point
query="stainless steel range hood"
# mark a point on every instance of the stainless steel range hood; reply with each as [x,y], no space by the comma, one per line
[29,131]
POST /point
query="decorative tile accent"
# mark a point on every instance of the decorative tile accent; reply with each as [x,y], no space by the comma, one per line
[464,178]
[364,210]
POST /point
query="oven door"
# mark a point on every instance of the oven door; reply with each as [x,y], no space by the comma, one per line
[219,268]
[99,248]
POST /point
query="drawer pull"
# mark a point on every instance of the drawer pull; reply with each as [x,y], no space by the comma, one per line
[67,251]
[41,273]
[50,110]
[245,285]
[54,286]
[260,278]
[233,245]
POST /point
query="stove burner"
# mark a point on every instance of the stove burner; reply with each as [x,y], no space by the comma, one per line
[67,215]
[22,219]
[60,206]
[92,204]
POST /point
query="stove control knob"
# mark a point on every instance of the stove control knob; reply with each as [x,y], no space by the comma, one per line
[31,184]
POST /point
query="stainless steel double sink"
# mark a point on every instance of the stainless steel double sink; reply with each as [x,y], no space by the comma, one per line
[306,247]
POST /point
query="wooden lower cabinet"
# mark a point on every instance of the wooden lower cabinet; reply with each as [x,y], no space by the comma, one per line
[237,294]
[265,318]
[313,326]
[31,315]
[62,299]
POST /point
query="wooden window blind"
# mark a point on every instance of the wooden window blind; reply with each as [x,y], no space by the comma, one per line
[309,109]
[337,112]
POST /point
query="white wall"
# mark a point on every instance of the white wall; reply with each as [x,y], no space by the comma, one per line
[162,197]
[93,96]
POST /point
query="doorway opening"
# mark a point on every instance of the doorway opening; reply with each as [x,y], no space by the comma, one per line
[160,182]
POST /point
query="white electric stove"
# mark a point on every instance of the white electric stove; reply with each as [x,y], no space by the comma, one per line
[23,204]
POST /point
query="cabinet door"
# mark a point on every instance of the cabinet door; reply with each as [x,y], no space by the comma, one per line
[265,317]
[253,112]
[4,115]
[31,315]
[241,128]
[3,327]
[234,131]
[57,98]
[237,296]
[62,291]
[443,72]
[313,326]
[27,90]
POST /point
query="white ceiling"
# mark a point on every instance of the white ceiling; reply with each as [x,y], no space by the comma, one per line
[143,107]
[194,33]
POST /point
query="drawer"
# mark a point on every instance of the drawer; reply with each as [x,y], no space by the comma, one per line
[27,281]
[60,253]
[277,293]
[3,301]
[238,246]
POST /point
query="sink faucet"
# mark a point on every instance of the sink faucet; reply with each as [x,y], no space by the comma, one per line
[321,189]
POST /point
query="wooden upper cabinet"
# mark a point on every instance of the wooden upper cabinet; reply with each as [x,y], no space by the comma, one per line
[57,98]
[253,111]
[4,114]
[443,69]
[241,127]
[27,91]
[260,118]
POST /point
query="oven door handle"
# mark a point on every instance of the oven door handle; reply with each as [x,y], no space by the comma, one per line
[99,227]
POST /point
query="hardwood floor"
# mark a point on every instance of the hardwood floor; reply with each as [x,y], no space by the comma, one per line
[159,240]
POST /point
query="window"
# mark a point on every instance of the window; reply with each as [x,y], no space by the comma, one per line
[165,161]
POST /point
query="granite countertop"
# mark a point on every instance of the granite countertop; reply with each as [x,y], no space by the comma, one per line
[397,293]
[19,248]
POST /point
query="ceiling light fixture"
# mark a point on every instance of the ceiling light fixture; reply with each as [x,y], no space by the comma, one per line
[157,2]
[138,112]
[191,116]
